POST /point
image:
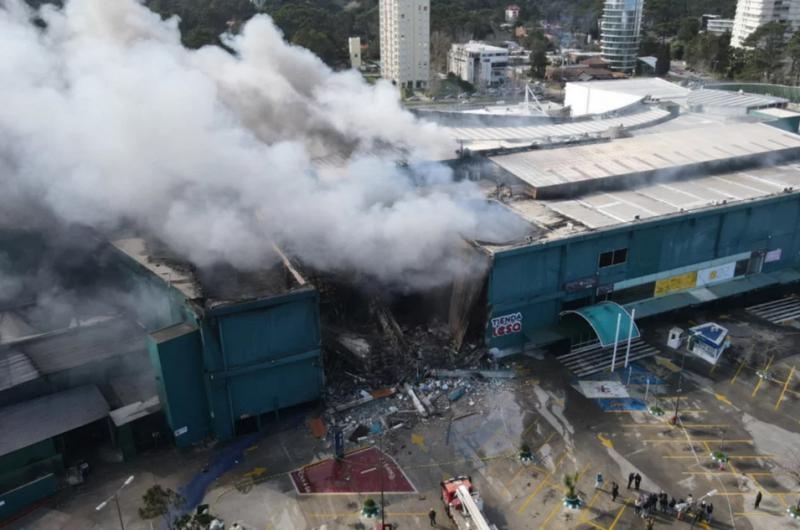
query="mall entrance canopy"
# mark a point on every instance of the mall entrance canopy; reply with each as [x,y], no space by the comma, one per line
[610,322]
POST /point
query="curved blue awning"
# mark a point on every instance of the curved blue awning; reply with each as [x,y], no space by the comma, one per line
[602,318]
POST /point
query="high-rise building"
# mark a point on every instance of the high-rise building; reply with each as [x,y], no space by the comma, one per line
[750,14]
[620,29]
[354,46]
[405,42]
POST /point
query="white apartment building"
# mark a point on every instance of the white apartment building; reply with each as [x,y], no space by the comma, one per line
[718,26]
[479,63]
[405,42]
[750,14]
[354,46]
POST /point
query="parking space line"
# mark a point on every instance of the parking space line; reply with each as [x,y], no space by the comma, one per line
[589,507]
[531,466]
[785,386]
[731,457]
[760,380]
[541,485]
[741,365]
[559,506]
[619,515]
[695,441]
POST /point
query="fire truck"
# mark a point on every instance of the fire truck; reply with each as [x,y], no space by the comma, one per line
[464,505]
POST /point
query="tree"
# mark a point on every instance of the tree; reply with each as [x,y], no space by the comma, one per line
[161,502]
[767,45]
[793,54]
[663,60]
[538,63]
[688,29]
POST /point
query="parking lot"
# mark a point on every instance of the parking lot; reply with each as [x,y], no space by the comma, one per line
[746,407]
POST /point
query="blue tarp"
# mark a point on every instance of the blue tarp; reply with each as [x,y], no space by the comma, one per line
[602,318]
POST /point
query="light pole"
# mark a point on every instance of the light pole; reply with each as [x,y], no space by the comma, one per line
[115,496]
[680,388]
[709,494]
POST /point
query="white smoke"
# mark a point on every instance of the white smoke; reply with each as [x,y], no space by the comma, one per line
[106,119]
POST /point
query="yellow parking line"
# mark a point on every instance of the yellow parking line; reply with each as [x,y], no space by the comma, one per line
[785,386]
[619,514]
[737,372]
[714,441]
[539,487]
[558,507]
[666,423]
[760,380]
[731,457]
[589,507]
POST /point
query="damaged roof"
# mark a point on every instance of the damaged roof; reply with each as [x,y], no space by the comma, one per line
[216,285]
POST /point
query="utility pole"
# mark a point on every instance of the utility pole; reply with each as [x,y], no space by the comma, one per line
[381,463]
[680,388]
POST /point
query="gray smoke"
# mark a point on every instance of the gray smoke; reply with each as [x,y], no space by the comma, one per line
[107,120]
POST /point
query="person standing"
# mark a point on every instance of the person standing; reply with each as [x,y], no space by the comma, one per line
[614,491]
[637,480]
[758,500]
[432,517]
[630,479]
[709,511]
[637,506]
[650,523]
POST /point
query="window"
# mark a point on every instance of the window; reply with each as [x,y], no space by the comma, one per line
[613,257]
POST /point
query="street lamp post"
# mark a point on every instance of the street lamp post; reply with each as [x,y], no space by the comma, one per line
[680,388]
[115,497]
[709,494]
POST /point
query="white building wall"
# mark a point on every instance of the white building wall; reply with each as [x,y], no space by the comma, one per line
[750,14]
[478,63]
[585,99]
[405,42]
[354,46]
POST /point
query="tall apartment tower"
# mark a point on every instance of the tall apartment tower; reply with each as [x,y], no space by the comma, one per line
[405,42]
[620,29]
[750,14]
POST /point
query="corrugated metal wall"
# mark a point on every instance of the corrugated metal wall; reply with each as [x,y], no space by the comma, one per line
[262,356]
[531,280]
[244,360]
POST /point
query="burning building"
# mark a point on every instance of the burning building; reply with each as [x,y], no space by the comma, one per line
[227,346]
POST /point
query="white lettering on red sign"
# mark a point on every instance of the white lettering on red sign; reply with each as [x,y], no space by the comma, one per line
[507,325]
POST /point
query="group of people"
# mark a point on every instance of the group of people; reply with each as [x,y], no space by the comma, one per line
[647,505]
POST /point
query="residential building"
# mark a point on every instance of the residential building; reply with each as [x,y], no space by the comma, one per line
[718,26]
[750,14]
[354,46]
[620,30]
[512,13]
[479,63]
[405,42]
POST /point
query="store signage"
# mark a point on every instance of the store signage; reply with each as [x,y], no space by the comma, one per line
[773,255]
[674,284]
[716,274]
[580,285]
[507,325]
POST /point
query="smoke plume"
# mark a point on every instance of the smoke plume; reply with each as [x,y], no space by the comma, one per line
[107,120]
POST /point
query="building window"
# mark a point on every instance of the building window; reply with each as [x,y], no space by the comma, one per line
[613,257]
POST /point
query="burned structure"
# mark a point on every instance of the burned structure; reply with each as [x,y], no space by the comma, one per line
[227,346]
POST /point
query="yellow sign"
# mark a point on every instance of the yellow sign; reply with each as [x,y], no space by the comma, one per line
[676,283]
